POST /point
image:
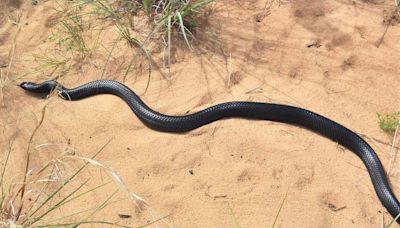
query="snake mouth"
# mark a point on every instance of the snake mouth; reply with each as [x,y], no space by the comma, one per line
[23,85]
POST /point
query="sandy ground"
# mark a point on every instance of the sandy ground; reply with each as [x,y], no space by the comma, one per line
[319,55]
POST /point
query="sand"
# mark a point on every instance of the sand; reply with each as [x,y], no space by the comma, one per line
[319,55]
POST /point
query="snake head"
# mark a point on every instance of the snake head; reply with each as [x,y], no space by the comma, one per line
[46,87]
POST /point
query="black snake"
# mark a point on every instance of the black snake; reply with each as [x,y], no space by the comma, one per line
[248,110]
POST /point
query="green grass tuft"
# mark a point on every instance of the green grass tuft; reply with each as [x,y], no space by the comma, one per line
[389,122]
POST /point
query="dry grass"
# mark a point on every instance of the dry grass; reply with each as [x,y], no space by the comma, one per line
[80,37]
[5,74]
[36,200]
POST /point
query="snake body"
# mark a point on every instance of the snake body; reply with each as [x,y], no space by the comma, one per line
[249,110]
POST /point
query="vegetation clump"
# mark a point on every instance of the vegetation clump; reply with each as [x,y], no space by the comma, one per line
[389,122]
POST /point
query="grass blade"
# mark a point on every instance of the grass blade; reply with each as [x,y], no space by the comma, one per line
[67,181]
[169,39]
[57,205]
[394,220]
[183,28]
[280,209]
